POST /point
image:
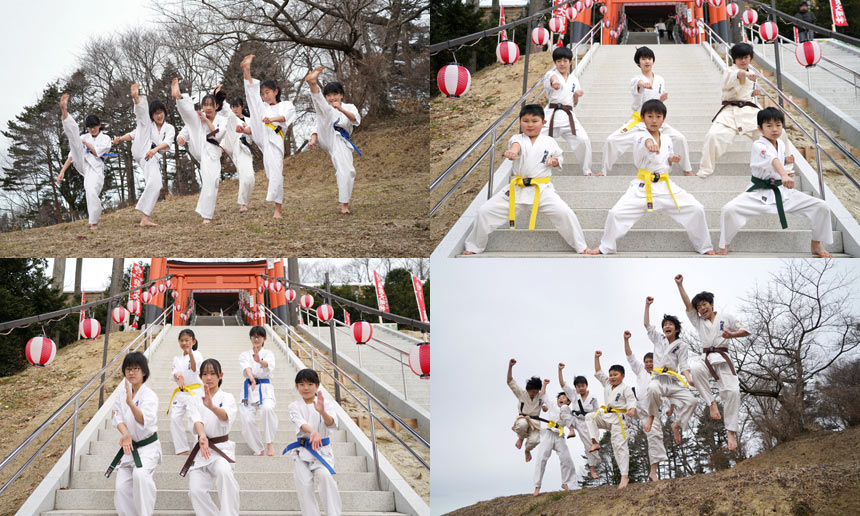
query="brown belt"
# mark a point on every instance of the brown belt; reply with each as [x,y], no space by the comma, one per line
[723,353]
[736,103]
[212,442]
[567,109]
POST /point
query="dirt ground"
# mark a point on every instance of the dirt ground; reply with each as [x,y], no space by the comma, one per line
[814,475]
[31,396]
[389,208]
[455,124]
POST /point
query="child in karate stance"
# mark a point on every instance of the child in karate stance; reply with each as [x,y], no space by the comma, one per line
[653,155]
[206,131]
[268,121]
[772,190]
[213,415]
[238,147]
[715,333]
[533,154]
[151,138]
[666,382]
[135,416]
[335,122]
[563,91]
[257,367]
[86,152]
[530,404]
[644,86]
[620,400]
[553,439]
[188,383]
[583,404]
[314,455]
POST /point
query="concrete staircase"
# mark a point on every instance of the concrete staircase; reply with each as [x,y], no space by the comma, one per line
[267,484]
[693,83]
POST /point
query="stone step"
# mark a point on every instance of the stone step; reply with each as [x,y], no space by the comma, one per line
[282,435]
[165,479]
[695,155]
[109,448]
[596,219]
[619,183]
[607,199]
[244,464]
[626,170]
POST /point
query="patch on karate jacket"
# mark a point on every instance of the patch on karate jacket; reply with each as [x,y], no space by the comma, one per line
[618,396]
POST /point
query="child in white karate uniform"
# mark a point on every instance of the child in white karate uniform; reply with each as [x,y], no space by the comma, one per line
[335,122]
[583,404]
[86,152]
[620,402]
[644,86]
[188,384]
[268,121]
[258,366]
[563,91]
[135,415]
[772,190]
[529,405]
[214,455]
[667,383]
[533,154]
[151,138]
[553,439]
[653,155]
[313,453]
[238,147]
[716,331]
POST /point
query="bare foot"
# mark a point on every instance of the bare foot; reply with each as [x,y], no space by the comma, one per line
[528,456]
[64,102]
[519,443]
[599,174]
[246,62]
[270,450]
[690,174]
[344,208]
[467,252]
[653,476]
[243,208]
[564,486]
[184,453]
[593,472]
[709,253]
[311,77]
[277,214]
[648,423]
[722,251]
[174,88]
[676,432]
[258,454]
[733,442]
[207,221]
[592,251]
[819,250]
[624,480]
[715,411]
[537,491]
[94,227]
[147,222]
[594,447]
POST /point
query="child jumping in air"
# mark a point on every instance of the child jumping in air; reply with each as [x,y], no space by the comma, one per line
[530,404]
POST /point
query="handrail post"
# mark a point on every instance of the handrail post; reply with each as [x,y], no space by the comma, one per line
[373,437]
[104,356]
[529,26]
[331,324]
[74,440]
[776,57]
[492,164]
[403,376]
[818,159]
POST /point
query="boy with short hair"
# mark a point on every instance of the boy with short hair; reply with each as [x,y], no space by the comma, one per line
[533,154]
[553,440]
[562,91]
[644,86]
[582,404]
[653,155]
[772,190]
[620,400]
[530,404]
[715,333]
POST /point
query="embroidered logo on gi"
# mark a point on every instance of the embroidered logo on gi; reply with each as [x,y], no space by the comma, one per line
[545,156]
[722,325]
[221,404]
[617,396]
[763,198]
[763,152]
[674,351]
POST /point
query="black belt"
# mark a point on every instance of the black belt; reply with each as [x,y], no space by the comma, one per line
[735,103]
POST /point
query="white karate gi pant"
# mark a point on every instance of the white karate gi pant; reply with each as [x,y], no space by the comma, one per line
[340,152]
[494,214]
[550,441]
[730,393]
[528,431]
[134,494]
[581,426]
[618,143]
[151,170]
[93,180]
[200,481]
[630,208]
[736,212]
[250,430]
[273,154]
[179,428]
[210,169]
[718,139]
[245,167]
[656,448]
[602,420]
[579,143]
[304,473]
[665,388]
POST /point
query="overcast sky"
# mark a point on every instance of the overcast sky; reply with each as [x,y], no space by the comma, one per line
[543,312]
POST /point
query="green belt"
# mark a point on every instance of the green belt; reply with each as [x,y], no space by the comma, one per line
[772,184]
[135,445]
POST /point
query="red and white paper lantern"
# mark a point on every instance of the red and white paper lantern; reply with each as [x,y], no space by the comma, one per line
[178,308]
[750,17]
[174,294]
[153,290]
[613,34]
[768,31]
[40,351]
[602,10]
[588,3]
[699,3]
[715,3]
[290,295]
[540,36]
[579,6]
[507,53]
[419,360]
[607,23]
[168,283]
[266,283]
[325,313]
[133,306]
[183,317]
[119,315]
[162,288]
[276,286]
[261,289]
[732,10]
[307,301]
[90,328]
[362,332]
[453,80]
[557,24]
[808,53]
[146,297]
[570,12]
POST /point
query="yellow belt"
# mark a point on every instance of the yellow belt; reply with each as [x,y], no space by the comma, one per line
[617,412]
[666,370]
[277,130]
[188,388]
[553,424]
[637,117]
[650,177]
[520,181]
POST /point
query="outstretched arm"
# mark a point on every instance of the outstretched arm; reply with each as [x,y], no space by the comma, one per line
[560,375]
[627,349]
[597,355]
[679,280]
[511,369]
[647,319]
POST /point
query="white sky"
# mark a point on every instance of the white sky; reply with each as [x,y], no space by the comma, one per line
[41,41]
[543,312]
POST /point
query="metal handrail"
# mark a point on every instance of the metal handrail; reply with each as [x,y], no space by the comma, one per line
[492,130]
[316,355]
[144,338]
[713,36]
[801,23]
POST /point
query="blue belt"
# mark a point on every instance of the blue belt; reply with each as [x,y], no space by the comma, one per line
[259,390]
[345,134]
[304,442]
[102,157]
